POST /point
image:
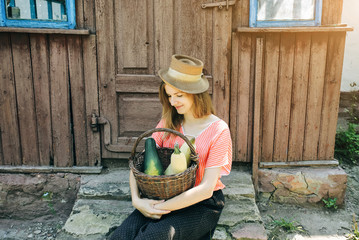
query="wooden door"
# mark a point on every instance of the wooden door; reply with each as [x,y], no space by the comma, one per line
[135,39]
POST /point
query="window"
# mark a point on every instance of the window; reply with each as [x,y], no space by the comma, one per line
[37,13]
[285,13]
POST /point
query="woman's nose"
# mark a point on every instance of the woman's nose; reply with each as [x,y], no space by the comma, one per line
[172,100]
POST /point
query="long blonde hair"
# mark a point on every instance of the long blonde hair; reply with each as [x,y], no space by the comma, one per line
[202,107]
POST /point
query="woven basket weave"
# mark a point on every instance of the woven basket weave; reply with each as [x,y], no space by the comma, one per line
[163,186]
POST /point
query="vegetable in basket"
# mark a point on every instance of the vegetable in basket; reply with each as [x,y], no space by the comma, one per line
[178,162]
[187,151]
[152,163]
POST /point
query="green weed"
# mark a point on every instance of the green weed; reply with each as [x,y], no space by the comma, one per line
[280,227]
[47,196]
[355,234]
[330,203]
[347,144]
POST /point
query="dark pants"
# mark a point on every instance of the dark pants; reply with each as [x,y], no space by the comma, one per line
[194,222]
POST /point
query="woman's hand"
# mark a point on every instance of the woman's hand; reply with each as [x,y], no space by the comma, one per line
[146,207]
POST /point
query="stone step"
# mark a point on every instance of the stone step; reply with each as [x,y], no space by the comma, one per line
[104,202]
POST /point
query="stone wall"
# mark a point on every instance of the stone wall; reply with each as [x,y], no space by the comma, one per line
[303,185]
[28,196]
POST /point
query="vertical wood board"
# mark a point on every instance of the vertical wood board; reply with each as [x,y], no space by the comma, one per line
[243,95]
[299,96]
[77,85]
[271,62]
[60,102]
[91,94]
[8,110]
[40,73]
[333,74]
[284,95]
[315,95]
[25,98]
[106,65]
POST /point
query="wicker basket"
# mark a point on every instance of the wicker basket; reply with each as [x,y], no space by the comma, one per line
[163,186]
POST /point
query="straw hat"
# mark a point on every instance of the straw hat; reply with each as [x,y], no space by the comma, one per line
[185,74]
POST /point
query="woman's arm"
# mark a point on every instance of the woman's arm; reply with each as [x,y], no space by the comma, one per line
[144,205]
[194,195]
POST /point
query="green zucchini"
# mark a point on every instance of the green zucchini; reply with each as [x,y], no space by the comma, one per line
[152,163]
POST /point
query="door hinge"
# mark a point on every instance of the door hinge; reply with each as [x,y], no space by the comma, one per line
[220,5]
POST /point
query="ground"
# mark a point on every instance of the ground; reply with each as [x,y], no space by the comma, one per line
[317,222]
[314,222]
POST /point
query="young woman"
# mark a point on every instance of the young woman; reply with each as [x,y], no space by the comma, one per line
[187,108]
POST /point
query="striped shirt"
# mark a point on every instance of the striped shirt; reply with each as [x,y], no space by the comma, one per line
[213,146]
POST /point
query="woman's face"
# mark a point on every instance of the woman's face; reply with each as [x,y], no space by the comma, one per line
[183,102]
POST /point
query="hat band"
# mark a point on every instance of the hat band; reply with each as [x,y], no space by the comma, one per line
[183,76]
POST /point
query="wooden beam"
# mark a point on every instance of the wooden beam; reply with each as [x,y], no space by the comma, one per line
[46,31]
[47,169]
[319,163]
[297,29]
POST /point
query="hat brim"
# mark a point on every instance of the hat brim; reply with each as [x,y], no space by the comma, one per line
[199,86]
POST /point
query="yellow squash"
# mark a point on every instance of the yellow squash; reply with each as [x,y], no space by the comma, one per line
[178,162]
[187,151]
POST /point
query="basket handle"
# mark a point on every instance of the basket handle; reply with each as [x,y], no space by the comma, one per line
[149,132]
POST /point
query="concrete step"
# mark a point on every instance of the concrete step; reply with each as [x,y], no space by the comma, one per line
[104,202]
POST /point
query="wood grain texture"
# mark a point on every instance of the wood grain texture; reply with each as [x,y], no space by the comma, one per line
[284,95]
[299,96]
[78,105]
[106,65]
[329,117]
[243,95]
[271,63]
[234,113]
[60,102]
[25,99]
[91,94]
[315,95]
[40,73]
[9,127]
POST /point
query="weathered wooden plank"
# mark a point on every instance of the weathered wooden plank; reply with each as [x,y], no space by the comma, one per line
[91,93]
[106,64]
[271,61]
[315,95]
[243,94]
[25,98]
[77,85]
[46,169]
[299,96]
[45,31]
[89,15]
[40,73]
[327,163]
[79,7]
[332,11]
[333,75]
[222,26]
[233,124]
[284,95]
[132,39]
[234,98]
[8,114]
[164,44]
[60,102]
[335,28]
[257,108]
[245,13]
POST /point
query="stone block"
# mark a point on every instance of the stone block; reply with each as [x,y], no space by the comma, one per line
[303,185]
[249,231]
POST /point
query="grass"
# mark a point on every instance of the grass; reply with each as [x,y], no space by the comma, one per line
[281,227]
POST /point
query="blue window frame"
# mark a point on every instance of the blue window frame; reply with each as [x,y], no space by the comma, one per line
[285,13]
[38,13]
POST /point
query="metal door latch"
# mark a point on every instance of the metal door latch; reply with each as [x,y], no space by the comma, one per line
[220,5]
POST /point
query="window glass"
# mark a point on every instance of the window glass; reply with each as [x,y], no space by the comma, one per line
[36,10]
[275,10]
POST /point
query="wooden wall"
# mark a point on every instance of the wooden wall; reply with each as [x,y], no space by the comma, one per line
[49,89]
[300,87]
